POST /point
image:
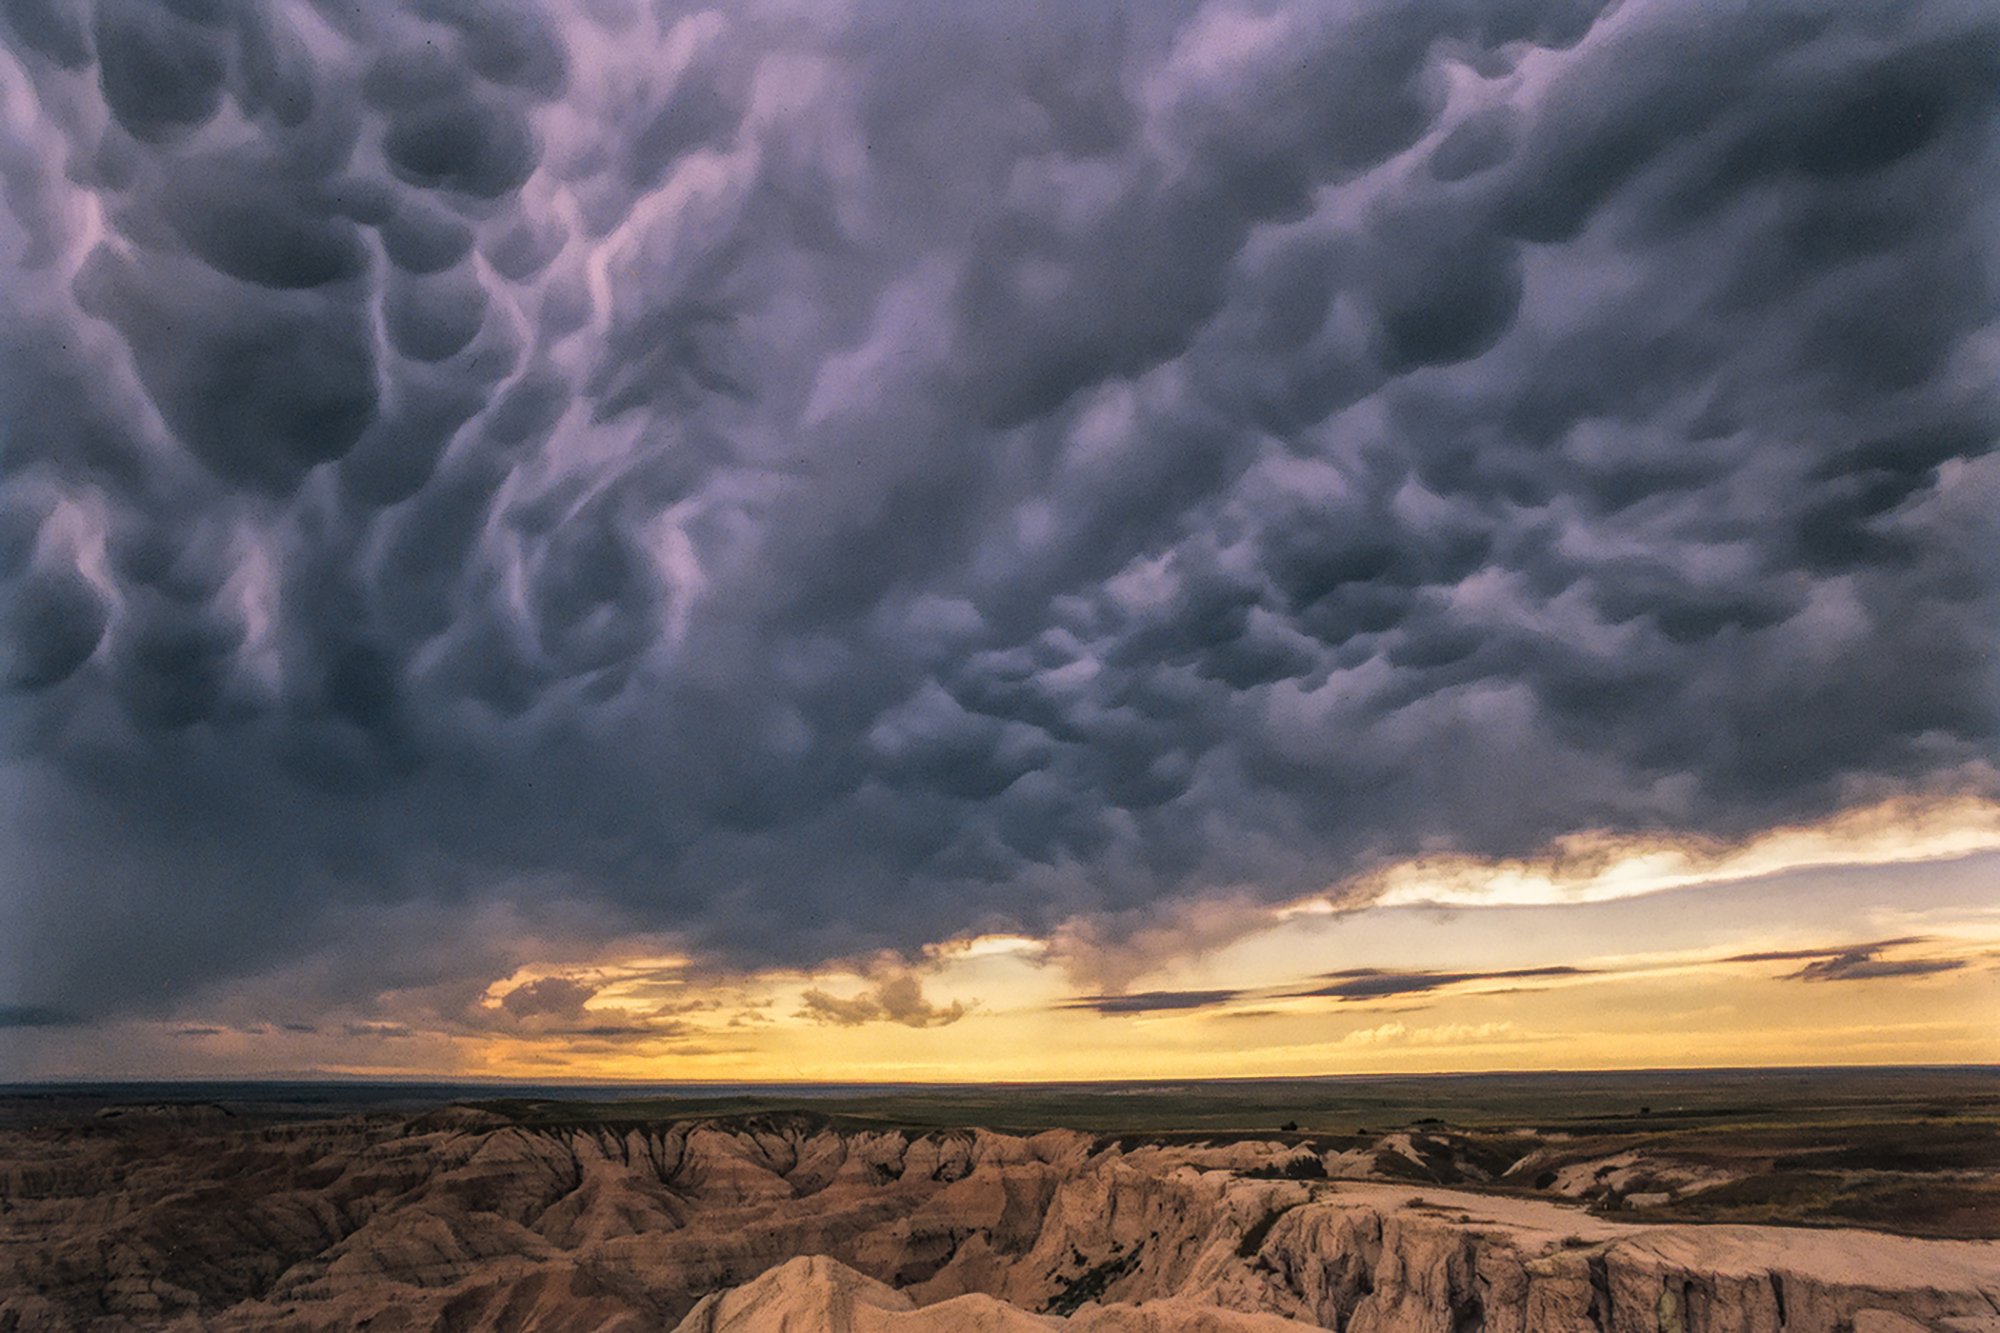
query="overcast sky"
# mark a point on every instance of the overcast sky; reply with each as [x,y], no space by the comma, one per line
[799,480]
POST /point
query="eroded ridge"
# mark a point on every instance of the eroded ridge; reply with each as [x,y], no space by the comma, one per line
[464,1219]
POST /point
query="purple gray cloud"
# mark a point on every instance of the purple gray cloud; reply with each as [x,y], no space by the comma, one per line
[817,481]
[1152,1001]
[1862,965]
[1372,983]
[1855,962]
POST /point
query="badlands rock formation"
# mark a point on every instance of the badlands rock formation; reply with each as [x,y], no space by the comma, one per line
[820,1295]
[464,1221]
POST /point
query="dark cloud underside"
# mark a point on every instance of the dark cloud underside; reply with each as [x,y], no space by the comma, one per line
[815,483]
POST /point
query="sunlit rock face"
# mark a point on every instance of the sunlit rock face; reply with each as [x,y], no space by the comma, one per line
[462,1220]
[825,1296]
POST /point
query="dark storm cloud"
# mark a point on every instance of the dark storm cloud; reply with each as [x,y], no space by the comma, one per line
[1368,983]
[54,622]
[616,1033]
[33,1016]
[394,1031]
[813,483]
[563,996]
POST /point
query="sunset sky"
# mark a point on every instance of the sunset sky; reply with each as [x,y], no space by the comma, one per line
[836,541]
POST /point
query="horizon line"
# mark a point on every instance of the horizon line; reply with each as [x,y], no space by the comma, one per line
[334,1079]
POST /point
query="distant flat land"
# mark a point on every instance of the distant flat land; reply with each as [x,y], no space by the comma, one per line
[1912,1150]
[1651,1099]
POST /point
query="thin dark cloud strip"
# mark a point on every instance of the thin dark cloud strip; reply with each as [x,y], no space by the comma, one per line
[36,1016]
[1796,955]
[1838,962]
[1856,962]
[1150,1002]
[811,486]
[1368,983]
[1861,965]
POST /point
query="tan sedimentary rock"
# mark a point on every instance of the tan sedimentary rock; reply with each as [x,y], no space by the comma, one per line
[460,1220]
[820,1295]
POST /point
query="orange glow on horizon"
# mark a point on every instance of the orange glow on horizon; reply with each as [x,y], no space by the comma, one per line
[1741,958]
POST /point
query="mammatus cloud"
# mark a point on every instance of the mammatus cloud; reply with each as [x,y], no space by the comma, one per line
[811,483]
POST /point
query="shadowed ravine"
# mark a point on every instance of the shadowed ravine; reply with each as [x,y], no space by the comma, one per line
[462,1219]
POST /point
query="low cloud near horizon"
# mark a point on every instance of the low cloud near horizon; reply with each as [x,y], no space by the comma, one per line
[802,482]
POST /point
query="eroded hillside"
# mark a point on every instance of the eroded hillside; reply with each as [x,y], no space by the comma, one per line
[463,1219]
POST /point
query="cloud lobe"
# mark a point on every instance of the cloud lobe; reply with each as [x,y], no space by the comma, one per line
[818,485]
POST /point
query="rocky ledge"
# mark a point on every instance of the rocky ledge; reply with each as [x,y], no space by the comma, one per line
[768,1224]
